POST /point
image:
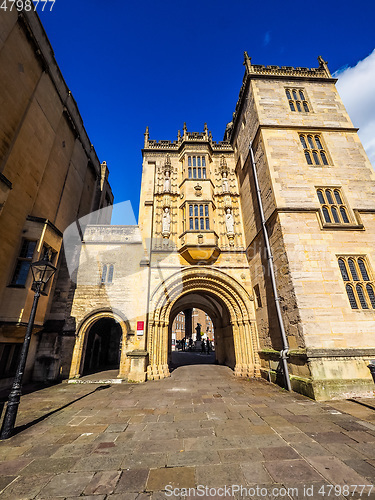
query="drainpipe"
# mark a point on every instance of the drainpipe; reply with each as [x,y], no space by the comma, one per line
[285,350]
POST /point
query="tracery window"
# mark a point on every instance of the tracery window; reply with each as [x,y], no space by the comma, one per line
[359,287]
[197,167]
[312,145]
[199,217]
[333,208]
[297,100]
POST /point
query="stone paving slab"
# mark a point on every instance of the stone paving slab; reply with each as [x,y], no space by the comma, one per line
[201,426]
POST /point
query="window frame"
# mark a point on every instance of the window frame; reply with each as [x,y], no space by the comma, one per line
[197,213]
[19,260]
[107,270]
[296,103]
[333,210]
[353,285]
[315,156]
[197,167]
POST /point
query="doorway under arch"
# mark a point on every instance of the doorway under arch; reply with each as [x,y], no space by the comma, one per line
[191,338]
[224,300]
[102,346]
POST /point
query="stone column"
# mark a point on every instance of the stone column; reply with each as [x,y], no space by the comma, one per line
[188,323]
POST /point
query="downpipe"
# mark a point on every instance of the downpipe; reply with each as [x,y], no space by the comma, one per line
[284,352]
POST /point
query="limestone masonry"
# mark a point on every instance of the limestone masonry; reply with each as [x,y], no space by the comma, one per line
[200,242]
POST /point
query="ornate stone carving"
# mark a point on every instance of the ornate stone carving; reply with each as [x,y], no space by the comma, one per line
[166,225]
[198,190]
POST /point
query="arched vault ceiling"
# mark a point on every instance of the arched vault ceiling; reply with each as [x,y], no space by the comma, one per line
[207,303]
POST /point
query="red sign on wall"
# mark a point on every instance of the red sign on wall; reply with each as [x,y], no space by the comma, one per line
[140,327]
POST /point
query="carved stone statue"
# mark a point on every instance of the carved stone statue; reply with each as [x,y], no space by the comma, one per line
[167,182]
[225,183]
[166,221]
[198,330]
[229,221]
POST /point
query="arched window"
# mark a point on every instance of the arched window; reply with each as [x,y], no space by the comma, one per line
[104,273]
[107,273]
[329,197]
[314,145]
[361,297]
[110,274]
[353,270]
[344,215]
[324,158]
[351,297]
[327,218]
[360,290]
[318,143]
[321,197]
[370,293]
[303,141]
[362,268]
[316,158]
[308,158]
[296,97]
[338,197]
[344,272]
[311,142]
[335,216]
[332,201]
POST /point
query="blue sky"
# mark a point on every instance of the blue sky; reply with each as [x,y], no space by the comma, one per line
[132,64]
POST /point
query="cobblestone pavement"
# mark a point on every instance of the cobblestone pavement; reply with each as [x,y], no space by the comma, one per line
[201,426]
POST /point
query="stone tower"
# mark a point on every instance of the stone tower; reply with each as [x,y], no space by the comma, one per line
[318,193]
[191,221]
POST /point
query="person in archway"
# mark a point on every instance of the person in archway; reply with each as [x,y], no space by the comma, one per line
[203,347]
[183,342]
[208,345]
[190,344]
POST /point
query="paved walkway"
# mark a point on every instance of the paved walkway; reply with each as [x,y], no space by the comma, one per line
[200,428]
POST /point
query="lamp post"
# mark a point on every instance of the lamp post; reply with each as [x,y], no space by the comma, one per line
[42,271]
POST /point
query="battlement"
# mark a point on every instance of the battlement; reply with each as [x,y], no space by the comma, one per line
[321,71]
[186,137]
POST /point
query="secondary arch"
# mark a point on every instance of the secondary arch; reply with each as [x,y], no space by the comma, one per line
[83,349]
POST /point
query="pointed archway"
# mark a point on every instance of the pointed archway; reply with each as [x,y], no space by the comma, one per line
[228,304]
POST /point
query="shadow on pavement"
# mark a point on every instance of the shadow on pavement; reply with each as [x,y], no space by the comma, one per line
[43,417]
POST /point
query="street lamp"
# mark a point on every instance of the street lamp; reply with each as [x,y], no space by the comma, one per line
[42,271]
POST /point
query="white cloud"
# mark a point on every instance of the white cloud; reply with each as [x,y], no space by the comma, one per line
[356,88]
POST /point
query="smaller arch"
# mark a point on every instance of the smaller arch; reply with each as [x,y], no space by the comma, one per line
[83,330]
